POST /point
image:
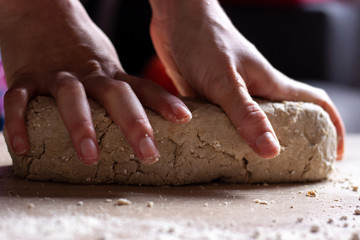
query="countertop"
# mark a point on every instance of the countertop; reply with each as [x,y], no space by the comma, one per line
[40,210]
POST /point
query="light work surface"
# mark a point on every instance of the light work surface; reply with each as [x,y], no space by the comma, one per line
[38,210]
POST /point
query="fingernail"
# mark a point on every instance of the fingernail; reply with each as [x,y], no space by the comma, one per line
[89,152]
[148,150]
[19,145]
[181,113]
[267,145]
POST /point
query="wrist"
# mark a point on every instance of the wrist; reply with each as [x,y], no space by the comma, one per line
[170,9]
[14,10]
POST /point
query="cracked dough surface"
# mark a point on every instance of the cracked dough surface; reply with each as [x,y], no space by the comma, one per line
[206,149]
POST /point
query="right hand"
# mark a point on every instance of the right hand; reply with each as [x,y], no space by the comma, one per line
[53,48]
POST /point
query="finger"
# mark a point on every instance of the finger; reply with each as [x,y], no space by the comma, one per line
[323,100]
[158,99]
[15,103]
[127,112]
[296,91]
[249,120]
[74,108]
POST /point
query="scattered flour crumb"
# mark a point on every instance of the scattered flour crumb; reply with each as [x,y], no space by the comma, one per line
[343,218]
[108,200]
[355,188]
[123,201]
[150,204]
[31,205]
[256,234]
[330,220]
[80,203]
[314,229]
[263,202]
[357,212]
[311,193]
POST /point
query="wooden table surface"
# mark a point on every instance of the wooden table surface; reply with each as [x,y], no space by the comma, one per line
[38,210]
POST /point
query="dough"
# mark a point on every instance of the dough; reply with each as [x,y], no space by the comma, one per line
[206,149]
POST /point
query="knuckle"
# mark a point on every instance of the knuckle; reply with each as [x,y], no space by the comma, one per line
[139,126]
[252,114]
[321,97]
[321,92]
[116,87]
[139,123]
[68,84]
[15,94]
[93,66]
[82,126]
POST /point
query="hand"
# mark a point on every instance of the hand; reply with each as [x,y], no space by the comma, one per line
[205,54]
[53,48]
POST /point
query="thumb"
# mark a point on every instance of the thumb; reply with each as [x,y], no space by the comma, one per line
[250,120]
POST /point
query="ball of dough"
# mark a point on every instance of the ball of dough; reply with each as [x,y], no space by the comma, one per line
[207,148]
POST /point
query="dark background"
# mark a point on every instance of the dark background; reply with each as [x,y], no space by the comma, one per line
[318,43]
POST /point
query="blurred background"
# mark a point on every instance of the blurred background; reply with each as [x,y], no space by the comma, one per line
[315,41]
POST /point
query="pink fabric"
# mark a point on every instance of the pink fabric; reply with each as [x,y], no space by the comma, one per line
[2,89]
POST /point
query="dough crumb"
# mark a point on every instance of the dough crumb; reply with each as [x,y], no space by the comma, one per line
[263,202]
[108,200]
[314,229]
[330,220]
[123,201]
[256,234]
[357,212]
[80,203]
[355,188]
[311,193]
[299,220]
[150,204]
[31,205]
[343,218]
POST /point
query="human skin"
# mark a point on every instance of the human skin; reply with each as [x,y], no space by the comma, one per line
[206,55]
[53,48]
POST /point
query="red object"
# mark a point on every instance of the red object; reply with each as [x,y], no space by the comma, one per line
[156,72]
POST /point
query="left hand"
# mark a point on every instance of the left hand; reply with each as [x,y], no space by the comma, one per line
[205,54]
